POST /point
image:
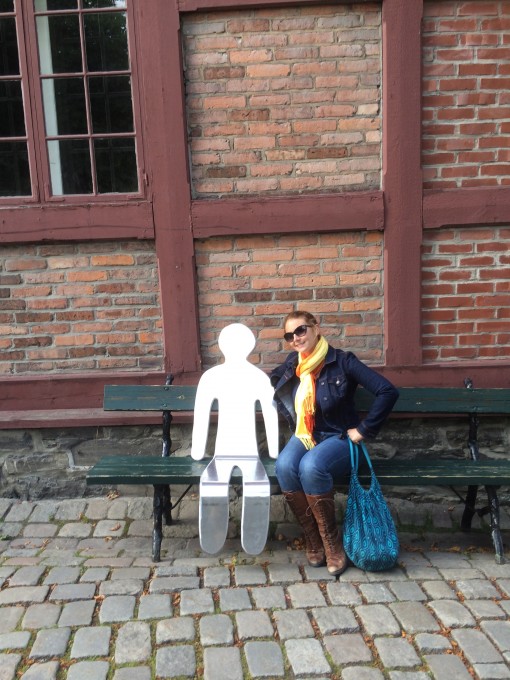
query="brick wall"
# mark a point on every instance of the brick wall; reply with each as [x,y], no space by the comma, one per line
[466,294]
[75,307]
[258,280]
[284,100]
[466,93]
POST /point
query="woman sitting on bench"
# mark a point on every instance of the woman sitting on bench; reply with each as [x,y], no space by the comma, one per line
[314,391]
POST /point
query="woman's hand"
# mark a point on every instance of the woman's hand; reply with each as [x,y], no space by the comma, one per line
[354,435]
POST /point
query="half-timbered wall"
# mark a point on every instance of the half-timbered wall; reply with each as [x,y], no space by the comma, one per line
[348,158]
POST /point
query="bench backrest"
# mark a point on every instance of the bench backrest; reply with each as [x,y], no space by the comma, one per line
[495,401]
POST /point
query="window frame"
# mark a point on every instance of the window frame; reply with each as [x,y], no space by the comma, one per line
[31,85]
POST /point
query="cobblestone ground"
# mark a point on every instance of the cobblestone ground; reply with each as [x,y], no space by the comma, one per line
[81,599]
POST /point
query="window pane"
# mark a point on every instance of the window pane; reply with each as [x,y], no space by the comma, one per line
[6,5]
[59,44]
[70,167]
[12,119]
[97,4]
[9,61]
[110,104]
[14,169]
[64,106]
[50,5]
[106,41]
[116,165]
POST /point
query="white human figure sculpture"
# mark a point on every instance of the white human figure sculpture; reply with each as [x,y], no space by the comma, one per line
[237,386]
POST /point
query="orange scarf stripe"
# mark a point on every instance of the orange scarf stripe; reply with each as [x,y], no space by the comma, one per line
[307,369]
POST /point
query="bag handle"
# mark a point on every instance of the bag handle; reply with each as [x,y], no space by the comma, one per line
[354,450]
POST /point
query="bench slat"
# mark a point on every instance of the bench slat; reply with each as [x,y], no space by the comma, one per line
[185,470]
[450,400]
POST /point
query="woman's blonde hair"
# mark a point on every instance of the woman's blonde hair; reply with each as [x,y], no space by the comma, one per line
[301,315]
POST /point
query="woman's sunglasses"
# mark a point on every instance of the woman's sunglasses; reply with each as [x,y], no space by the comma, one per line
[299,332]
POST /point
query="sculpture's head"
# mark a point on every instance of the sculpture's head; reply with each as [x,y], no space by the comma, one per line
[236,341]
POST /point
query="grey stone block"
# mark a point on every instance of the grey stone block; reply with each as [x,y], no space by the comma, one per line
[216,577]
[88,670]
[196,602]
[117,608]
[251,575]
[347,649]
[396,653]
[176,661]
[133,643]
[8,666]
[42,671]
[306,657]
[218,659]
[77,613]
[306,595]
[499,633]
[175,630]
[59,575]
[343,594]
[431,643]
[17,640]
[92,641]
[293,623]
[335,620]
[26,576]
[133,673]
[234,599]
[155,607]
[414,617]
[269,597]
[50,642]
[73,591]
[10,618]
[41,616]
[264,659]
[376,593]
[452,614]
[447,667]
[23,594]
[378,619]
[216,630]
[253,624]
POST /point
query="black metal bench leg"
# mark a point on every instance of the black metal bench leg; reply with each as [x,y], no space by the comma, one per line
[157,532]
[495,525]
[469,508]
[167,507]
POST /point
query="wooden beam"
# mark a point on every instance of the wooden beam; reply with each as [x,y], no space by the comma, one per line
[108,221]
[466,207]
[166,136]
[402,179]
[289,214]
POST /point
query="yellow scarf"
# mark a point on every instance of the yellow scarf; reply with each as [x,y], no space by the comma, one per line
[305,395]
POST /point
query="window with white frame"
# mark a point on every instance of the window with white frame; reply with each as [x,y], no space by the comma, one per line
[66,106]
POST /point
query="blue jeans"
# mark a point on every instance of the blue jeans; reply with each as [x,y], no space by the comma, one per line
[298,469]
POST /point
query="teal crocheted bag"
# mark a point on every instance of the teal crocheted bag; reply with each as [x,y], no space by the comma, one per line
[370,536]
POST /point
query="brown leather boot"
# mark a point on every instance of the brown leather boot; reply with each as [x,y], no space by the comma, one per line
[323,508]
[313,542]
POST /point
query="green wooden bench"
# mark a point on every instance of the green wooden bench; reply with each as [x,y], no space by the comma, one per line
[471,472]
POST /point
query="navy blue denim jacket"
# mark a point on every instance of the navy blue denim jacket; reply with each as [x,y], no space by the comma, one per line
[334,391]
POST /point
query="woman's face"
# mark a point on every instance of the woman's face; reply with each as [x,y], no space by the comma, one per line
[306,343]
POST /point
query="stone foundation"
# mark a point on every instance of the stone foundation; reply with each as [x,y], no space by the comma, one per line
[52,463]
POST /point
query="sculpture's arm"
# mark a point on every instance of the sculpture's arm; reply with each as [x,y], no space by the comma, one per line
[270,415]
[201,418]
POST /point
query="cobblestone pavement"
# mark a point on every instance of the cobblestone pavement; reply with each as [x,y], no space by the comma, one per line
[81,599]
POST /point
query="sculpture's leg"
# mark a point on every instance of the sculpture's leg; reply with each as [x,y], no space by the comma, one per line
[213,511]
[256,506]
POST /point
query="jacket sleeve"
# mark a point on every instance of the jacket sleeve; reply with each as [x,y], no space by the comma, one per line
[384,392]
